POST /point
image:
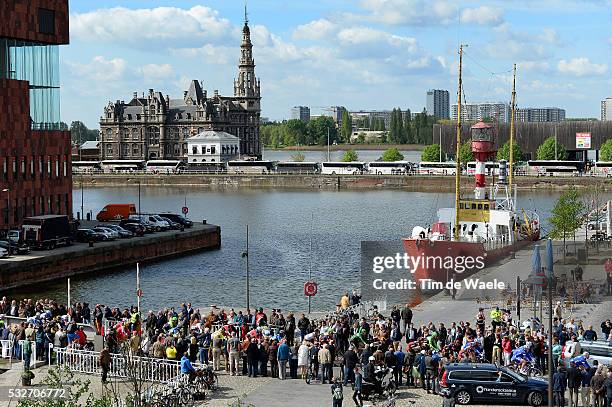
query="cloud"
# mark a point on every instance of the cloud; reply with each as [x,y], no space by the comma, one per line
[155,71]
[533,66]
[483,15]
[408,12]
[99,69]
[581,67]
[209,53]
[153,27]
[314,30]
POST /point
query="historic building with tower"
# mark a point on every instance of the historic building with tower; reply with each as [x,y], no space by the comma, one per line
[152,126]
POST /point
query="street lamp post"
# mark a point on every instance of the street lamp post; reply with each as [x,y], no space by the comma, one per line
[138,182]
[82,199]
[8,207]
[245,254]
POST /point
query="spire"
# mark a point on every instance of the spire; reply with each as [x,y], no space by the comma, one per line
[246,14]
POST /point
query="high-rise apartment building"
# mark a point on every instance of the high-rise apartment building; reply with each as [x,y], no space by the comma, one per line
[472,112]
[539,114]
[300,113]
[438,103]
[606,109]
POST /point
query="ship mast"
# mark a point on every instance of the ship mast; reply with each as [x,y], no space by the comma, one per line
[458,148]
[510,177]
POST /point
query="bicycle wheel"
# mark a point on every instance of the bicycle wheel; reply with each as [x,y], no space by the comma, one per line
[214,384]
[309,375]
[534,372]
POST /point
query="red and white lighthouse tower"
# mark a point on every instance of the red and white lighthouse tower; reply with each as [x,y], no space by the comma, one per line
[483,149]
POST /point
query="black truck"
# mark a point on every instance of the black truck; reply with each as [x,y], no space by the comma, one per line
[47,231]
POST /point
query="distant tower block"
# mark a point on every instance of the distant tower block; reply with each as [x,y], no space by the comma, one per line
[483,148]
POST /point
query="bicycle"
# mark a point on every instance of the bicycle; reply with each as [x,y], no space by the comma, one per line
[311,374]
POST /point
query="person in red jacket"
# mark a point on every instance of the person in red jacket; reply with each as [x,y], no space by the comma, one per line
[507,350]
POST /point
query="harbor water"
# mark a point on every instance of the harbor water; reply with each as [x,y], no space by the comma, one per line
[282,223]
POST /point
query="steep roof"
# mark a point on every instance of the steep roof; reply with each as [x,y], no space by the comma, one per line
[212,135]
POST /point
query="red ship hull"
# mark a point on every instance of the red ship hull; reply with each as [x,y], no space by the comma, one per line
[431,248]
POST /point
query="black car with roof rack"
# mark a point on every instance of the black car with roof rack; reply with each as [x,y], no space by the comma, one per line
[181,219]
[484,382]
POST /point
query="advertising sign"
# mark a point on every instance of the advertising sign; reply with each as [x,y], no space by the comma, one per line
[583,140]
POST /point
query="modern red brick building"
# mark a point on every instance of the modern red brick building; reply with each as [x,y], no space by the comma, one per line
[35,161]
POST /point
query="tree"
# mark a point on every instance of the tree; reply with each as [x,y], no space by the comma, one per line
[392,154]
[318,128]
[408,136]
[465,152]
[605,153]
[79,133]
[566,215]
[431,153]
[347,126]
[350,155]
[504,152]
[546,151]
[298,157]
[296,131]
[361,138]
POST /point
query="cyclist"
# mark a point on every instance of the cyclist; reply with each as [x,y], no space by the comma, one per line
[522,356]
[187,368]
[582,360]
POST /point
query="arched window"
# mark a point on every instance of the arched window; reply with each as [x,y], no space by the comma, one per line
[125,134]
[109,134]
[135,134]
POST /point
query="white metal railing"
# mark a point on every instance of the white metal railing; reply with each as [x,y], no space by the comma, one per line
[122,366]
[7,348]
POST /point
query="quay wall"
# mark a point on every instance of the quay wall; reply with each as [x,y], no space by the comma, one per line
[80,259]
[324,182]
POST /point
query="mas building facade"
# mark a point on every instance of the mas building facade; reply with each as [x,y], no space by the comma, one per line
[153,126]
[35,150]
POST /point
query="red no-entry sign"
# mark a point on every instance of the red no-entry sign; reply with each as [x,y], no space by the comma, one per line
[185,210]
[310,289]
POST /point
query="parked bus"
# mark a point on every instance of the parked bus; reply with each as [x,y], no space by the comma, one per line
[342,168]
[602,169]
[554,168]
[437,168]
[490,168]
[389,167]
[85,167]
[294,167]
[164,166]
[250,167]
[122,165]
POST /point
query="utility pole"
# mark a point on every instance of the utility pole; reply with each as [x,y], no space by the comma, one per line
[245,254]
[511,175]
[458,148]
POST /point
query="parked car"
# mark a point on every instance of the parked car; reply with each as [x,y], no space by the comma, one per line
[121,231]
[116,212]
[3,252]
[107,234]
[173,225]
[133,226]
[14,248]
[154,220]
[178,218]
[14,236]
[88,235]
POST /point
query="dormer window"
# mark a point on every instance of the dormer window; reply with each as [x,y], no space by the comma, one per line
[188,116]
[129,117]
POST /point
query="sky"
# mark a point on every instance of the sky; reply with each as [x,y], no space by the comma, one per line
[361,54]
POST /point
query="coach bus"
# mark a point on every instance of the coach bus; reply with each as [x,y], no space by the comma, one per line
[85,167]
[294,167]
[554,168]
[343,168]
[437,168]
[164,166]
[250,167]
[491,168]
[602,169]
[122,165]
[389,167]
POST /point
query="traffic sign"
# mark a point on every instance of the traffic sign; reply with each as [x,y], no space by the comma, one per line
[139,293]
[310,289]
[185,210]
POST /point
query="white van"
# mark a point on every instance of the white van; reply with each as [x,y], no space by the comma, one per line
[154,220]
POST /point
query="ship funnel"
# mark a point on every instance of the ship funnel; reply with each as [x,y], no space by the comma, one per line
[503,172]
